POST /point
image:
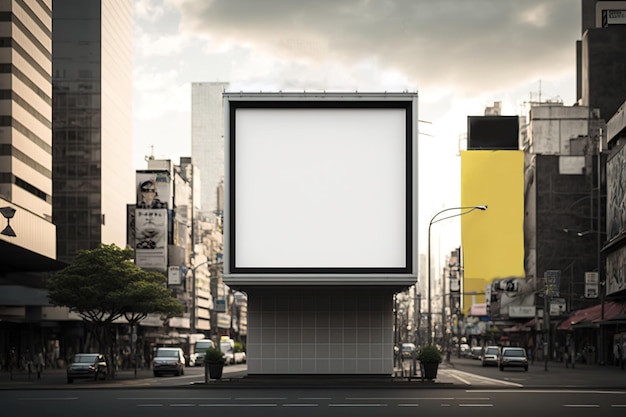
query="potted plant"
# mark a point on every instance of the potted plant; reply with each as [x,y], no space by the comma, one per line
[214,359]
[430,358]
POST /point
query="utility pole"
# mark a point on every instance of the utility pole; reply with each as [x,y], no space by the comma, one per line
[416,314]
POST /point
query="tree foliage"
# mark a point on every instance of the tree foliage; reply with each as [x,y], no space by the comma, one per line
[104,284]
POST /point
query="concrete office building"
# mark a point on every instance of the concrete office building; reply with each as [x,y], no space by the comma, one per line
[207,141]
[28,238]
[93,173]
[561,198]
[26,135]
[601,57]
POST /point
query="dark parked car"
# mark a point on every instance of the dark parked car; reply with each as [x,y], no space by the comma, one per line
[513,357]
[87,366]
[168,361]
[407,350]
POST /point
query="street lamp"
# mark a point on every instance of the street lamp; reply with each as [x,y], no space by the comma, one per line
[194,306]
[193,294]
[434,219]
[8,213]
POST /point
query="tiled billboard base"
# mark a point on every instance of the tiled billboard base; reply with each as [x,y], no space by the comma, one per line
[320,331]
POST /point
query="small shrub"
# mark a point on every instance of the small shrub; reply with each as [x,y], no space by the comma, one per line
[429,354]
[214,355]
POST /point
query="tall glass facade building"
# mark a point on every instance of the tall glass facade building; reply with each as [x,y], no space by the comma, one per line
[207,141]
[93,178]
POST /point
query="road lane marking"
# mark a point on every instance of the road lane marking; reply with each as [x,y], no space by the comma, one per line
[259,399]
[547,391]
[400,398]
[356,405]
[49,399]
[466,382]
[315,398]
[467,377]
[173,398]
[238,405]
[408,405]
[475,405]
[301,405]
[420,398]
[581,405]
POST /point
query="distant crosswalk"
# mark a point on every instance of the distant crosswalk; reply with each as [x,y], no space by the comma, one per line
[472,379]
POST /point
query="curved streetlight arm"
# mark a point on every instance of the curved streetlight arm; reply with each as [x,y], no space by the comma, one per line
[468,209]
[207,262]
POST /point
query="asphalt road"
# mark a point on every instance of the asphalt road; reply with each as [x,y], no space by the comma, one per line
[557,375]
[463,387]
[324,402]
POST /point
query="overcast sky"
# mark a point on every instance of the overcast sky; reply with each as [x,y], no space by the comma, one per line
[459,55]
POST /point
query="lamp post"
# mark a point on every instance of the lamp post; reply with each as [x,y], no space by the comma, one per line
[193,294]
[8,213]
[434,219]
[193,310]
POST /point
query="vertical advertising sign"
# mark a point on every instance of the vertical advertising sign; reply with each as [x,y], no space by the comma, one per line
[151,239]
[174,275]
[591,284]
[552,280]
[154,197]
[492,240]
[154,190]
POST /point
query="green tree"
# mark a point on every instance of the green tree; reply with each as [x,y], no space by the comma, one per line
[104,284]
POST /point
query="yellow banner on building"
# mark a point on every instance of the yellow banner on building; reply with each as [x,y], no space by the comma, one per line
[493,242]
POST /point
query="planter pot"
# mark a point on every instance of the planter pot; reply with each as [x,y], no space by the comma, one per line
[429,370]
[215,370]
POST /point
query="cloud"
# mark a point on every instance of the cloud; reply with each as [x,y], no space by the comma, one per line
[148,10]
[473,45]
[161,93]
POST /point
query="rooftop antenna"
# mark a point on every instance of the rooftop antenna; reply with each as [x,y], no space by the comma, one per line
[539,91]
[151,156]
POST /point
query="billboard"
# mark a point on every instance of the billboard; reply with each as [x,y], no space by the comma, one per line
[511,297]
[492,132]
[154,190]
[616,193]
[610,12]
[493,241]
[616,219]
[320,185]
[151,239]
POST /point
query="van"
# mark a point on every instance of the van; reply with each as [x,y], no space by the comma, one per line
[232,355]
[200,348]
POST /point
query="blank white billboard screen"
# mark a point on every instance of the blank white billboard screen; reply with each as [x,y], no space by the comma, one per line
[318,189]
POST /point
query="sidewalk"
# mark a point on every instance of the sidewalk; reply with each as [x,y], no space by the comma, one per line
[56,378]
[557,376]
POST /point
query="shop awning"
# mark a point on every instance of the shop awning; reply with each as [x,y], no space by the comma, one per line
[615,313]
[593,316]
[518,328]
[521,327]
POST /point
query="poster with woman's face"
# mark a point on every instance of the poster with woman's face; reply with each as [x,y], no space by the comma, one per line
[154,189]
